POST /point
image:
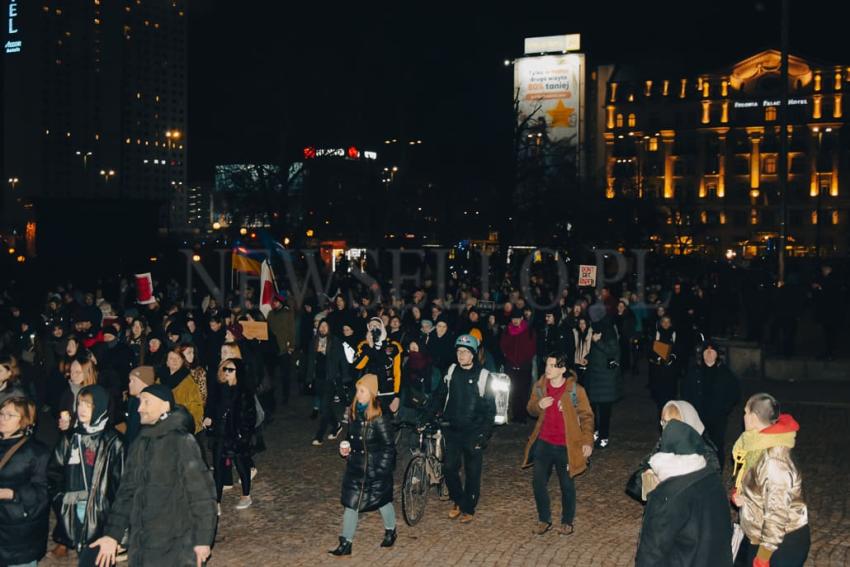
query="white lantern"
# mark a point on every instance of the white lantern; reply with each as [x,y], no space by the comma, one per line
[500,383]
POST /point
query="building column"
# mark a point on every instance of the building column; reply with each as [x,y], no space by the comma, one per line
[833,183]
[701,163]
[721,165]
[755,159]
[668,137]
[609,165]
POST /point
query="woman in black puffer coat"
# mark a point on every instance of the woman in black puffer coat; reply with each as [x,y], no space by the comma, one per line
[370,452]
[23,486]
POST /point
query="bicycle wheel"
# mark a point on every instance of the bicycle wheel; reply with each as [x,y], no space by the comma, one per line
[414,490]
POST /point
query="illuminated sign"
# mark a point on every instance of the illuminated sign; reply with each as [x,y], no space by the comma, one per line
[351,153]
[767,102]
[12,45]
[550,92]
[553,43]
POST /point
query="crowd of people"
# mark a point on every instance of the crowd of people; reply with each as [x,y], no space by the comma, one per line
[126,420]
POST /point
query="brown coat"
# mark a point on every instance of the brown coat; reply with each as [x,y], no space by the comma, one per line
[578,422]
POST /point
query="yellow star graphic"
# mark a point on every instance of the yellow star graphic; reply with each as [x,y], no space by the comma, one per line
[560,115]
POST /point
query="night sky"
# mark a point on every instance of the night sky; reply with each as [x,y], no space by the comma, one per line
[267,78]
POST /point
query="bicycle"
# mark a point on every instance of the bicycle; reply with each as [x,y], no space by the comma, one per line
[423,473]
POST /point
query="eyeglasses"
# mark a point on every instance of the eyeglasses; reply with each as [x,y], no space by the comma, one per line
[229,369]
[4,415]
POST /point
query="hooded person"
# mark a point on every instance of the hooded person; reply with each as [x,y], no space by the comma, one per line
[686,522]
[714,391]
[378,355]
[440,345]
[681,411]
[84,473]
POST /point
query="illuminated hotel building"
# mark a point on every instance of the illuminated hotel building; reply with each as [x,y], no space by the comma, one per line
[705,147]
[95,107]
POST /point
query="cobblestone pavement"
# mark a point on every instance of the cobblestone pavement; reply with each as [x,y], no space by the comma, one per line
[296,514]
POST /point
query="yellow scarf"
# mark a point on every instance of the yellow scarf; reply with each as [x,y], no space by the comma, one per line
[751,445]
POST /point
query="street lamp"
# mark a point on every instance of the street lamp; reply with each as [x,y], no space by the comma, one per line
[13,181]
[107,173]
[85,156]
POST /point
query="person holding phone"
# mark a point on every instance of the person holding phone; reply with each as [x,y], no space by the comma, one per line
[370,455]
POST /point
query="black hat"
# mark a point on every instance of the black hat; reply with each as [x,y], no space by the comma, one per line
[111,329]
[162,392]
[516,313]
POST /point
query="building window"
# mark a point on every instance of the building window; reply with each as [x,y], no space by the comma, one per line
[814,217]
[632,120]
[724,88]
[769,165]
[653,144]
[754,216]
[817,82]
[836,109]
[770,114]
[816,107]
[835,217]
[619,121]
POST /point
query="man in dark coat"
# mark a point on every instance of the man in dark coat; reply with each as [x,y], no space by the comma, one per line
[686,521]
[714,391]
[829,308]
[167,497]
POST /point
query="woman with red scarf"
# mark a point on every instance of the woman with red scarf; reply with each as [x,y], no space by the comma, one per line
[518,348]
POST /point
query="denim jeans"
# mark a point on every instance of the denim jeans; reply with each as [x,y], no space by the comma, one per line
[350,517]
[547,456]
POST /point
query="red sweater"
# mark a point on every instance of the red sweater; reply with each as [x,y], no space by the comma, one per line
[553,430]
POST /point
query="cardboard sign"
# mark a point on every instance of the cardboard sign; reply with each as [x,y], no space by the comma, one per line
[484,305]
[586,276]
[255,330]
[662,349]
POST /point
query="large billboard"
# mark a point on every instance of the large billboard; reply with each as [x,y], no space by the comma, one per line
[550,97]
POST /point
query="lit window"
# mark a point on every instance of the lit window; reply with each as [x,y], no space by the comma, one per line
[769,164]
[817,82]
[619,121]
[754,216]
[665,90]
[816,109]
[836,108]
[632,120]
[814,217]
[835,218]
[724,88]
[653,144]
[770,114]
[722,218]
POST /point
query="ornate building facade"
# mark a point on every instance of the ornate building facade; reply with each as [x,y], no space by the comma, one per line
[705,149]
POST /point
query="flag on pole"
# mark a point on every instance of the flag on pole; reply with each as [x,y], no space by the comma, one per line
[144,289]
[246,261]
[268,288]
